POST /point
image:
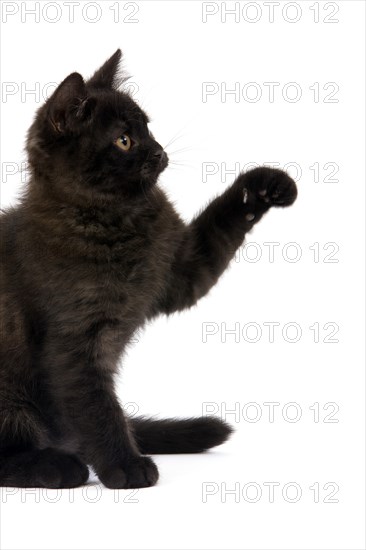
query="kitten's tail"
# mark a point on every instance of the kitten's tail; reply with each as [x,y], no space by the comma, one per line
[191,435]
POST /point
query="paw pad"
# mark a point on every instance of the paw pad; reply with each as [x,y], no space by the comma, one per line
[270,186]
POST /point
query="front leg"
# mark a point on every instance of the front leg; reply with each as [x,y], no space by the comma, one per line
[82,387]
[212,238]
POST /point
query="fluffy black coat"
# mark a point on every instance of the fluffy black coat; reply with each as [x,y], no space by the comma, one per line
[92,251]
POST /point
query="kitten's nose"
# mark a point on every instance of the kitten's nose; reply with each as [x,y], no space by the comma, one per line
[161,155]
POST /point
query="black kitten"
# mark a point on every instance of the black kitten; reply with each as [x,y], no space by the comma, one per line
[93,250]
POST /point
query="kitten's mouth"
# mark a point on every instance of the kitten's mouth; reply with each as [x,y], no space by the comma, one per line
[161,158]
[164,161]
[155,165]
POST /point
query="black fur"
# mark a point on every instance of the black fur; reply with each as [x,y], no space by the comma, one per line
[92,250]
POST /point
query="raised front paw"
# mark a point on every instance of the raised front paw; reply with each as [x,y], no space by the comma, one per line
[133,473]
[269,185]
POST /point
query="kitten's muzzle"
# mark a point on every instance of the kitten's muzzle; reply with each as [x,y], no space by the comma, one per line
[155,164]
[162,158]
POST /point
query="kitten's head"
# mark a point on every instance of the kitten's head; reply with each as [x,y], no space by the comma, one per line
[93,137]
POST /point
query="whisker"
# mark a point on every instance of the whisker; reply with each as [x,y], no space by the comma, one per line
[181,164]
[177,135]
[182,150]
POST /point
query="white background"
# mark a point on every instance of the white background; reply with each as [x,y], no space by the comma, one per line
[170,52]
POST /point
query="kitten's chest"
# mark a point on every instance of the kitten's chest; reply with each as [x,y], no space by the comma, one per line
[96,267]
[118,280]
[125,285]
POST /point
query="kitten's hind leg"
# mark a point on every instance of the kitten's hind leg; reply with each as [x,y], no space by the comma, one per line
[23,463]
[46,468]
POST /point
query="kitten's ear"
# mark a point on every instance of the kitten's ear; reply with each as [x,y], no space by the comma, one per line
[108,74]
[69,104]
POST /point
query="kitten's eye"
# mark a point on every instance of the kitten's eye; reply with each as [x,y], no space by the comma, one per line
[124,142]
